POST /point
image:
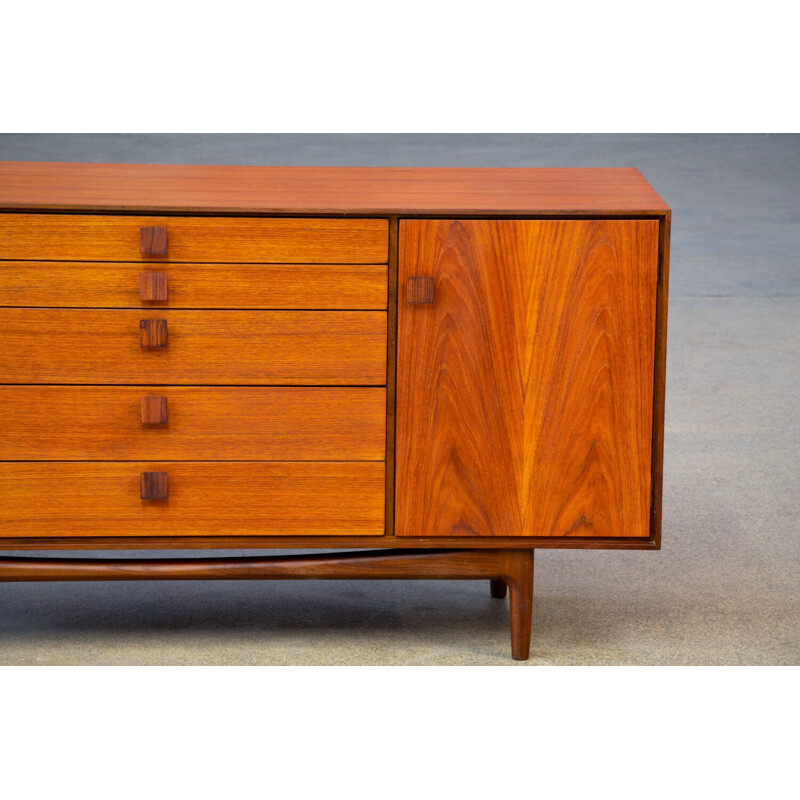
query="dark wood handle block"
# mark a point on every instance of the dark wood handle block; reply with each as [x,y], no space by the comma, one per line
[153,410]
[153,485]
[153,240]
[419,291]
[153,333]
[153,287]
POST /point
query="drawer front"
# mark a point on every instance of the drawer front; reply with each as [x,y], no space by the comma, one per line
[297,240]
[121,423]
[202,499]
[119,285]
[193,347]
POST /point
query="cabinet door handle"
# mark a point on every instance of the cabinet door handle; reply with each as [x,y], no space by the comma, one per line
[153,287]
[153,240]
[420,290]
[153,486]
[153,333]
[153,410]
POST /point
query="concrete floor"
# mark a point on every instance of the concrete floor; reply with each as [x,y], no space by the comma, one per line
[725,588]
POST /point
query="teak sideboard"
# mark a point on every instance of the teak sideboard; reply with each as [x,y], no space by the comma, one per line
[431,372]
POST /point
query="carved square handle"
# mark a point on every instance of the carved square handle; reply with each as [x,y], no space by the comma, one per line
[153,240]
[153,333]
[419,291]
[153,287]
[153,410]
[153,486]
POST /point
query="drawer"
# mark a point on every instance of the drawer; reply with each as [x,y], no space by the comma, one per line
[295,240]
[203,499]
[161,423]
[121,285]
[198,347]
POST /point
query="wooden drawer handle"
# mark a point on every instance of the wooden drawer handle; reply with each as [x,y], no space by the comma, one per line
[153,485]
[153,287]
[419,290]
[153,240]
[153,333]
[153,410]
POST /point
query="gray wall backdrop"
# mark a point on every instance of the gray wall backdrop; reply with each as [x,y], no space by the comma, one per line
[725,587]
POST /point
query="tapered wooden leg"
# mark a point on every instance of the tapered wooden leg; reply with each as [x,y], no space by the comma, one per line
[518,575]
[497,589]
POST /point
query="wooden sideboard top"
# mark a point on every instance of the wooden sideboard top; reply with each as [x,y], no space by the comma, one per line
[56,186]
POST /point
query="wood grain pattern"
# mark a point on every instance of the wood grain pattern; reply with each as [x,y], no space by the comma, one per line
[77,237]
[153,288]
[225,347]
[525,392]
[104,423]
[153,485]
[326,190]
[237,286]
[85,499]
[153,240]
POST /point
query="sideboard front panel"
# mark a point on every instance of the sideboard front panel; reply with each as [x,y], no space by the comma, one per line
[525,377]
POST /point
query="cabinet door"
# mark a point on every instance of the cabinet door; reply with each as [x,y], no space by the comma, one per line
[525,383]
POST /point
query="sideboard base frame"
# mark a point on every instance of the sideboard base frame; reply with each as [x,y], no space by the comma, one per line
[511,569]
